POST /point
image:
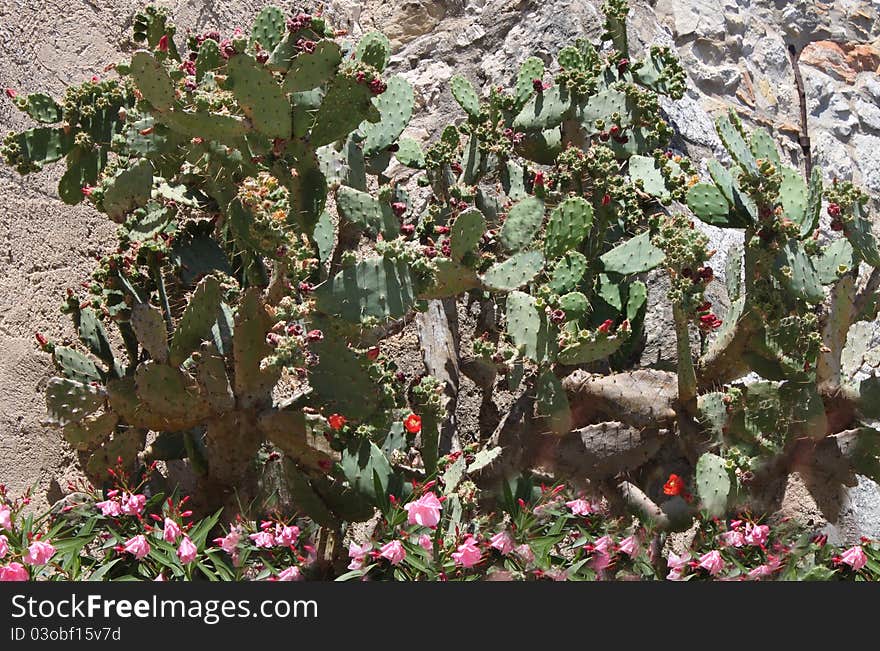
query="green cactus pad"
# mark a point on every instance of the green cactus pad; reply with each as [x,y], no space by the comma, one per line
[325,236]
[260,97]
[75,365]
[374,49]
[762,146]
[530,69]
[90,431]
[544,110]
[94,336]
[601,107]
[794,198]
[290,432]
[410,153]
[346,104]
[395,106]
[522,223]
[375,287]
[44,145]
[709,204]
[69,401]
[636,301]
[450,279]
[804,410]
[195,324]
[735,144]
[83,168]
[466,233]
[552,402]
[860,234]
[153,81]
[713,484]
[513,181]
[836,259]
[125,445]
[568,225]
[253,384]
[129,189]
[360,398]
[208,59]
[514,272]
[464,93]
[644,169]
[269,28]
[149,327]
[171,395]
[310,70]
[42,108]
[589,351]
[368,471]
[733,272]
[225,129]
[713,413]
[568,272]
[210,373]
[363,209]
[528,328]
[541,146]
[636,255]
[575,305]
[794,270]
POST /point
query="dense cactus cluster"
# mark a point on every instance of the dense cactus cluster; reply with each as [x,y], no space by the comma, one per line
[265,244]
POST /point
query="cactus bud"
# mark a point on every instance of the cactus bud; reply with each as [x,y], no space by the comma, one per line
[373,353]
[833,210]
[605,328]
[162,46]
[11,93]
[336,421]
[398,208]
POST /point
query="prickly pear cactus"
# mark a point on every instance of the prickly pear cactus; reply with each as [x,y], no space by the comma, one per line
[268,247]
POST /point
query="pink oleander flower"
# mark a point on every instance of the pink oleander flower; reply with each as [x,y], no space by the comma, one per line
[138,546]
[170,531]
[757,535]
[854,557]
[229,542]
[187,551]
[712,562]
[468,553]
[4,546]
[263,539]
[13,572]
[110,508]
[5,518]
[603,544]
[425,511]
[133,504]
[426,543]
[525,553]
[286,536]
[503,542]
[160,578]
[580,507]
[39,553]
[629,546]
[292,573]
[357,554]
[733,538]
[676,565]
[393,551]
[761,571]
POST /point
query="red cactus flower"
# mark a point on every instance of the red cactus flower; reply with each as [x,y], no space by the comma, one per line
[373,353]
[674,485]
[87,190]
[834,210]
[162,46]
[314,335]
[11,93]
[337,421]
[605,328]
[41,339]
[413,423]
[539,180]
[538,85]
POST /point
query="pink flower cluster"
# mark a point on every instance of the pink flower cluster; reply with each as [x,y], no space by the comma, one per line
[279,535]
[126,504]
